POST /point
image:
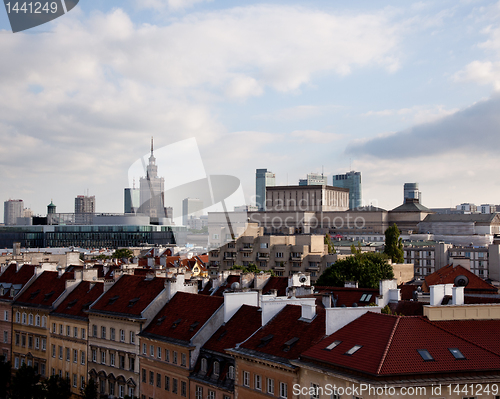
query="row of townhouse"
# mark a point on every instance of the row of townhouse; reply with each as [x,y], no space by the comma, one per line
[153,337]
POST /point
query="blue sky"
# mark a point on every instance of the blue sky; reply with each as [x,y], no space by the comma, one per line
[401,91]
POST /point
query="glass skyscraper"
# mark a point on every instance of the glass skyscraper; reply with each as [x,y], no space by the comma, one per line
[352,181]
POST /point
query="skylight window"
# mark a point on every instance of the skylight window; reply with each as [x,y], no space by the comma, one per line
[176,323]
[333,345]
[353,350]
[425,354]
[194,325]
[132,302]
[265,340]
[290,343]
[113,299]
[160,320]
[456,353]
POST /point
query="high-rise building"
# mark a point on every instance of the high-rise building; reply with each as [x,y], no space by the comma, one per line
[411,193]
[84,209]
[263,179]
[132,198]
[12,209]
[352,181]
[152,190]
[314,179]
[191,208]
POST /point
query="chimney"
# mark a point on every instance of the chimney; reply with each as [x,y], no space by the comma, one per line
[308,311]
[327,300]
[458,295]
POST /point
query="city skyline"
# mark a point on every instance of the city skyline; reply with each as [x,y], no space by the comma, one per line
[401,93]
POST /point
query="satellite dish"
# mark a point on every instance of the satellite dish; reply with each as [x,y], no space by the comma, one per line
[302,278]
[461,281]
[235,286]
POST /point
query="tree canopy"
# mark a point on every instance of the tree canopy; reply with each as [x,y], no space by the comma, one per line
[394,244]
[328,241]
[366,268]
[122,253]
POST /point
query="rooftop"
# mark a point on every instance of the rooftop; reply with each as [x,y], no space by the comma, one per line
[79,300]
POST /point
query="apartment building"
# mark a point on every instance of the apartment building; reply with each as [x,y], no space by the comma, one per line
[68,343]
[115,320]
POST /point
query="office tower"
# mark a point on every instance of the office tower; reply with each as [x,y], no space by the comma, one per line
[411,193]
[263,179]
[132,198]
[85,204]
[152,190]
[352,181]
[191,208]
[12,209]
[314,179]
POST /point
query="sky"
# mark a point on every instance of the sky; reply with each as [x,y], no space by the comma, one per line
[400,91]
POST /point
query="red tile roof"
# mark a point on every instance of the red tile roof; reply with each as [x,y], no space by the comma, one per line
[407,308]
[390,344]
[407,291]
[285,336]
[243,324]
[182,317]
[276,283]
[12,276]
[129,295]
[79,300]
[45,289]
[447,275]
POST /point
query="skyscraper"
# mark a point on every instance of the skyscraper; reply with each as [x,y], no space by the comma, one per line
[152,190]
[263,179]
[12,209]
[84,209]
[352,181]
[191,208]
[314,179]
[132,200]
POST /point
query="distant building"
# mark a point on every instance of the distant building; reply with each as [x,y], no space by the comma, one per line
[467,207]
[411,193]
[152,190]
[352,181]
[191,208]
[51,208]
[307,198]
[263,179]
[314,179]
[84,208]
[12,209]
[131,200]
[487,208]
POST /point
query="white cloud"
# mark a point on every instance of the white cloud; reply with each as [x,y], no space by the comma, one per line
[299,112]
[315,136]
[417,114]
[168,4]
[481,72]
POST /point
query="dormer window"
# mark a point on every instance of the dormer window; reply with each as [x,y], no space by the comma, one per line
[216,368]
[203,365]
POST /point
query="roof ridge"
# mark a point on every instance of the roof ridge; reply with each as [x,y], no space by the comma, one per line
[386,350]
[459,336]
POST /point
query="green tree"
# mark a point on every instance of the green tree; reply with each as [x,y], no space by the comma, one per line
[26,384]
[5,376]
[56,387]
[366,268]
[331,247]
[122,253]
[90,391]
[251,268]
[394,244]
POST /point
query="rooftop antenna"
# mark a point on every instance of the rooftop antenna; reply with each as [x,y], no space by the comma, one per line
[350,164]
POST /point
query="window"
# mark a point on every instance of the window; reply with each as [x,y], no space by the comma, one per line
[203,365]
[143,375]
[167,383]
[151,378]
[5,337]
[82,382]
[37,343]
[6,315]
[151,351]
[258,382]
[111,388]
[75,380]
[75,332]
[53,351]
[103,357]
[456,353]
[246,379]
[75,356]
[44,321]
[18,317]
[103,332]
[335,395]
[121,391]
[30,341]
[132,337]
[122,335]
[83,333]
[131,363]
[111,359]
[16,363]
[94,355]
[167,355]
[82,357]
[23,341]
[67,354]
[199,392]
[211,394]
[121,358]
[283,390]
[158,352]
[333,344]
[270,386]
[44,344]
[174,385]
[37,321]
[68,331]
[30,319]
[18,338]
[216,368]
[144,349]
[230,373]
[353,350]
[54,328]
[94,330]
[183,359]
[158,380]
[425,354]
[174,357]
[314,391]
[24,318]
[112,334]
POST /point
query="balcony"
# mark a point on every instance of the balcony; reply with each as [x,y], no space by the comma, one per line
[246,248]
[297,256]
[229,256]
[214,264]
[263,256]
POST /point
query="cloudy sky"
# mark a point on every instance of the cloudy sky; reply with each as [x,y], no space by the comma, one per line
[401,91]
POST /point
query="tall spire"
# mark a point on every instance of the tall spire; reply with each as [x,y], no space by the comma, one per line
[151,145]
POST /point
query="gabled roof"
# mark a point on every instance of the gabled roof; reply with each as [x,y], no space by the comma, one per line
[276,283]
[390,345]
[11,277]
[243,324]
[182,317]
[45,289]
[79,300]
[411,207]
[447,275]
[129,295]
[284,337]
